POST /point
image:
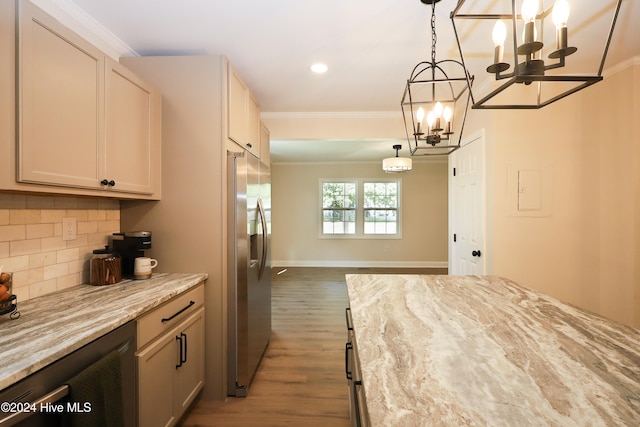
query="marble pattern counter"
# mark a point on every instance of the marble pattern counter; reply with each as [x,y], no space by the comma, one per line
[470,350]
[54,325]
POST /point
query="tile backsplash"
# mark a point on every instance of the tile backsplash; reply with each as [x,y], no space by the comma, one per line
[32,245]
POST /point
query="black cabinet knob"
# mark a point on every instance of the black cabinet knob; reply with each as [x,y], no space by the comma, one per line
[476,253]
[111,183]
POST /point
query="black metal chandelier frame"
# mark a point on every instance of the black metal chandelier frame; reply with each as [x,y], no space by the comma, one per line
[433,73]
[530,71]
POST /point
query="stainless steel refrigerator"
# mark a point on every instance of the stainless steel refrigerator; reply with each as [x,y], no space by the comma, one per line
[248,270]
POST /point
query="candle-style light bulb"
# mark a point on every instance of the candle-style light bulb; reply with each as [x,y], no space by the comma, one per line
[529,10]
[437,110]
[560,14]
[419,118]
[499,34]
[447,114]
[431,119]
[437,113]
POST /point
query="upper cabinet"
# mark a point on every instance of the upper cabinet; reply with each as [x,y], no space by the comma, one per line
[60,103]
[265,144]
[243,125]
[133,117]
[86,125]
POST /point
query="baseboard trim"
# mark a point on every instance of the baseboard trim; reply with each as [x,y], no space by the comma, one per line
[361,264]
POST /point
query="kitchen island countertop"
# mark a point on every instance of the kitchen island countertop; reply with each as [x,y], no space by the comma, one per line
[54,325]
[472,350]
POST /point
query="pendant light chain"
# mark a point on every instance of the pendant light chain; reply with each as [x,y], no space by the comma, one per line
[434,37]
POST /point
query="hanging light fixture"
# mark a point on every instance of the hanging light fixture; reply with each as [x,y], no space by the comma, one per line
[439,92]
[397,164]
[533,62]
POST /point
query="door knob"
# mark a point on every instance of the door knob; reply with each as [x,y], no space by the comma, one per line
[476,253]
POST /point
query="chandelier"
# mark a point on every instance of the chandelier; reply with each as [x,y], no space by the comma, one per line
[397,164]
[534,64]
[440,92]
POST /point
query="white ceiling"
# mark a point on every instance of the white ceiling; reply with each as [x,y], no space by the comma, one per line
[370,46]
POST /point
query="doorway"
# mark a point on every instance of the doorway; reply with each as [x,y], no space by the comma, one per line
[467,208]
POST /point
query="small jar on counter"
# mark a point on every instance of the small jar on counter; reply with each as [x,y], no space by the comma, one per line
[105,268]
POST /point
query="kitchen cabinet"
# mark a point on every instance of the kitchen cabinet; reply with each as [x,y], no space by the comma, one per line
[357,406]
[265,144]
[133,117]
[243,114]
[85,124]
[60,98]
[170,359]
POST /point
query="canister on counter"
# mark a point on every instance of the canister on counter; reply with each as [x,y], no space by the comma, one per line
[105,268]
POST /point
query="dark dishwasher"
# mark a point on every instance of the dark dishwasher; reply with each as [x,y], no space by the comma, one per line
[47,389]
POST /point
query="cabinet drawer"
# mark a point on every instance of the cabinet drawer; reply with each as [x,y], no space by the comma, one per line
[169,314]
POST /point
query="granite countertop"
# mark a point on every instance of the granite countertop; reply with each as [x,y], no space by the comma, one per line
[54,325]
[471,350]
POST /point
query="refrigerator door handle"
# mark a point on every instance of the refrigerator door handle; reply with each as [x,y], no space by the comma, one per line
[263,221]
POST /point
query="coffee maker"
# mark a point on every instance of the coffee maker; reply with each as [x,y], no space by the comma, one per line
[129,246]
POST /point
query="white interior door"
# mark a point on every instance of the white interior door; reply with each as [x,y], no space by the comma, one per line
[467,204]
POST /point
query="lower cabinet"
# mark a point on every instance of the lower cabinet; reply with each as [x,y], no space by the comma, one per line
[171,366]
[357,404]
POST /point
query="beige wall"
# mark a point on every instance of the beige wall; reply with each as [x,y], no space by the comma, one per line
[296,217]
[31,245]
[586,249]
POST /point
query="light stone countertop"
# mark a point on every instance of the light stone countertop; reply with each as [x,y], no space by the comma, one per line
[54,325]
[484,351]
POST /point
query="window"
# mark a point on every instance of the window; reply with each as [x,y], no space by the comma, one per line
[361,208]
[380,208]
[339,207]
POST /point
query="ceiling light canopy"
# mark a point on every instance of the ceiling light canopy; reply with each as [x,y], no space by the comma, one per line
[534,62]
[435,102]
[397,164]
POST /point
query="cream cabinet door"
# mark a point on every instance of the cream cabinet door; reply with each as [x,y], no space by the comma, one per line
[243,111]
[132,131]
[156,382]
[237,108]
[253,125]
[265,144]
[60,114]
[191,372]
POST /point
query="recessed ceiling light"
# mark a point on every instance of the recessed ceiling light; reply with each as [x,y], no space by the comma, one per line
[319,68]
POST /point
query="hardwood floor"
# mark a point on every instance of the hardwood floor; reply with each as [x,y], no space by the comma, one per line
[301,379]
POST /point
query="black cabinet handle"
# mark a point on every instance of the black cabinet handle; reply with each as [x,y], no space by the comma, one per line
[476,253]
[249,145]
[186,340]
[111,183]
[166,319]
[347,348]
[182,342]
[346,314]
[179,339]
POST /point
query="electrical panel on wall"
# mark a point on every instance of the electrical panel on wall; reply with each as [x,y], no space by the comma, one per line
[529,189]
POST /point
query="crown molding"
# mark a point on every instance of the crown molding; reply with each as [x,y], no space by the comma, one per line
[621,66]
[333,115]
[90,28]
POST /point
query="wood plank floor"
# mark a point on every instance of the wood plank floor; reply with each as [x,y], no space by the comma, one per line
[301,378]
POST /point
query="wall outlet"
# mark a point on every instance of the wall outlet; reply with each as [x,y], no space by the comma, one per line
[69,228]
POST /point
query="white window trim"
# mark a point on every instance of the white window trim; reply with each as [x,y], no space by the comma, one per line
[360,210]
